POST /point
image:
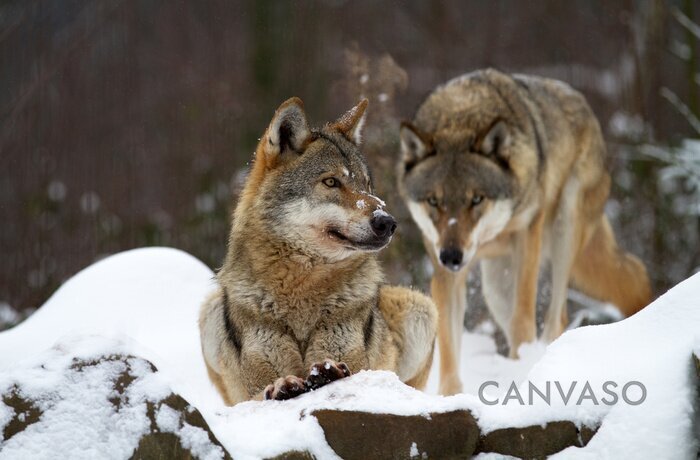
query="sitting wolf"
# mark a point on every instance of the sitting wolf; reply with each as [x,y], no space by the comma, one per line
[301,299]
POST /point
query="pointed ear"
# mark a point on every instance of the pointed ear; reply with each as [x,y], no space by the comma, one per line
[352,122]
[416,145]
[288,132]
[497,137]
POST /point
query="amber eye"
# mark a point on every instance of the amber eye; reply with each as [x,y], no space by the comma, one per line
[476,199]
[331,182]
[432,201]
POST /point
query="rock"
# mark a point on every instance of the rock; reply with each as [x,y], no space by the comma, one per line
[587,434]
[119,397]
[294,455]
[535,442]
[121,404]
[359,435]
[25,413]
[160,445]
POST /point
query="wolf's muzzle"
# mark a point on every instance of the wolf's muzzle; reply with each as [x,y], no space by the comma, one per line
[451,258]
[383,225]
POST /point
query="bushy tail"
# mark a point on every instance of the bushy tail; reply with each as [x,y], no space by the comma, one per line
[603,271]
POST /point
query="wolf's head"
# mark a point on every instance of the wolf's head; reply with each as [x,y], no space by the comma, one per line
[311,188]
[459,173]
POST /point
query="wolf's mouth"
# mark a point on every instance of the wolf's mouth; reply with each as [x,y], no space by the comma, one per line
[372,245]
[336,234]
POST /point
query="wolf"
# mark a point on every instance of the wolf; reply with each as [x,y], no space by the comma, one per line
[301,299]
[509,170]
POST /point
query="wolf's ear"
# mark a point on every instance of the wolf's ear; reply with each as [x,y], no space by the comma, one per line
[288,131]
[494,139]
[352,122]
[415,145]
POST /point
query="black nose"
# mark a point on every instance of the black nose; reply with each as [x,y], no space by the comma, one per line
[383,225]
[451,258]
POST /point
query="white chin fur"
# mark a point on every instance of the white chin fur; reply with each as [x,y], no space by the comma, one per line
[301,214]
[492,222]
[422,219]
[425,224]
[302,219]
[488,227]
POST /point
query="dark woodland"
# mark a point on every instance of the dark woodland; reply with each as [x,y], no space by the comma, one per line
[131,123]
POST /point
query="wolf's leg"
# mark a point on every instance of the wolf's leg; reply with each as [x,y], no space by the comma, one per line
[218,382]
[526,257]
[449,291]
[498,287]
[421,378]
[604,271]
[242,375]
[564,242]
[412,321]
[210,331]
[223,361]
[265,357]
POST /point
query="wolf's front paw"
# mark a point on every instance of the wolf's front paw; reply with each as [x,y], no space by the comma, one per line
[287,387]
[326,372]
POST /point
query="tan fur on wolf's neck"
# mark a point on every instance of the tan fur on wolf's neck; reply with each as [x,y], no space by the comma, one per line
[297,290]
[285,270]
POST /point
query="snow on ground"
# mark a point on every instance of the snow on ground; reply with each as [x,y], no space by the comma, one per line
[148,299]
[77,420]
[480,363]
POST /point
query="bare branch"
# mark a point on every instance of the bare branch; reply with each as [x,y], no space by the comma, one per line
[686,22]
[681,108]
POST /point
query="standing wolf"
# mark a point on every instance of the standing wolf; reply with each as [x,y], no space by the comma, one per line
[509,170]
[300,299]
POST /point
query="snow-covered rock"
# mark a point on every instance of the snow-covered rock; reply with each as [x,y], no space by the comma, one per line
[88,399]
[144,304]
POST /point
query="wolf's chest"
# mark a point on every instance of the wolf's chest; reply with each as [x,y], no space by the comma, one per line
[294,315]
[306,319]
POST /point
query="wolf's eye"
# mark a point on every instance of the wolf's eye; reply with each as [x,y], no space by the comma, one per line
[432,201]
[331,182]
[476,199]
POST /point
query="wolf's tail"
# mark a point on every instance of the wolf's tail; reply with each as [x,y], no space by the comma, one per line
[604,271]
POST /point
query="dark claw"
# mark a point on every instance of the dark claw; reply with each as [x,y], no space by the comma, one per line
[285,388]
[322,374]
[345,368]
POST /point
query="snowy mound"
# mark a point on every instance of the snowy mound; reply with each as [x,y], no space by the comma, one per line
[146,298]
[144,303]
[653,348]
[89,399]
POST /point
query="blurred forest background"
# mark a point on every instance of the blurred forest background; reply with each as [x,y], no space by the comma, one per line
[131,123]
